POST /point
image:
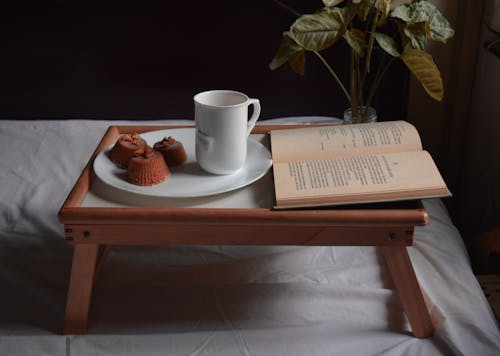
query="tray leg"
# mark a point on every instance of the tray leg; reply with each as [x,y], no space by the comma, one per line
[83,269]
[410,294]
[102,254]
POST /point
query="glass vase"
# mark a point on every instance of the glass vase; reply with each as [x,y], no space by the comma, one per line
[366,115]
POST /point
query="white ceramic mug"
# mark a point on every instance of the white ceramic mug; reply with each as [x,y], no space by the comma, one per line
[222,129]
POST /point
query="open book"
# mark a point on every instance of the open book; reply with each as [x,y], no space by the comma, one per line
[347,164]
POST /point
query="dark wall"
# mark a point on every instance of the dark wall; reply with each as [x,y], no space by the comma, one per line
[146,59]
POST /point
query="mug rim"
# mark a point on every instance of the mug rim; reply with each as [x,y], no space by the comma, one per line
[196,98]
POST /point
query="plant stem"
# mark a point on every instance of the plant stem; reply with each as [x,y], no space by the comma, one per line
[287,8]
[354,90]
[376,81]
[332,72]
[370,42]
[360,83]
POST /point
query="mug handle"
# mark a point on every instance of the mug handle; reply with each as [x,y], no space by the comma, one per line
[255,115]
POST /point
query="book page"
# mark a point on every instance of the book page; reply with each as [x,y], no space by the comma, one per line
[343,140]
[374,177]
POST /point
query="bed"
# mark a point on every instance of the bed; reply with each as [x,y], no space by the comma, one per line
[213,300]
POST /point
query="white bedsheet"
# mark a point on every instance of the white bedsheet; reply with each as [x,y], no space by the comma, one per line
[221,300]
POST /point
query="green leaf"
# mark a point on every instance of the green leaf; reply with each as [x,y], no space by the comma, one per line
[288,49]
[384,7]
[318,31]
[425,11]
[363,9]
[350,11]
[425,70]
[440,29]
[332,2]
[417,34]
[387,43]
[298,62]
[357,40]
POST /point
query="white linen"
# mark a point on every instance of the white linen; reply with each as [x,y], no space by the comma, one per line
[218,300]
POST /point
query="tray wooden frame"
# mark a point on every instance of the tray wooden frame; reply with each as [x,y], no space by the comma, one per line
[92,230]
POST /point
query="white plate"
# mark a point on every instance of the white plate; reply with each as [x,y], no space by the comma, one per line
[187,180]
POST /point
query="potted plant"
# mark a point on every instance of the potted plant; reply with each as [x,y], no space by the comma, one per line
[399,32]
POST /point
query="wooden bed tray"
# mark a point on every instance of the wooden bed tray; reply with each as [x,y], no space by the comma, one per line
[92,230]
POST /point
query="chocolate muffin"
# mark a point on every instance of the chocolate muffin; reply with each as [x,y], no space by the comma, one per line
[124,149]
[172,150]
[147,167]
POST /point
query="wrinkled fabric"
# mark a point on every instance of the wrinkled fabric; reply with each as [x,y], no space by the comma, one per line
[213,300]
